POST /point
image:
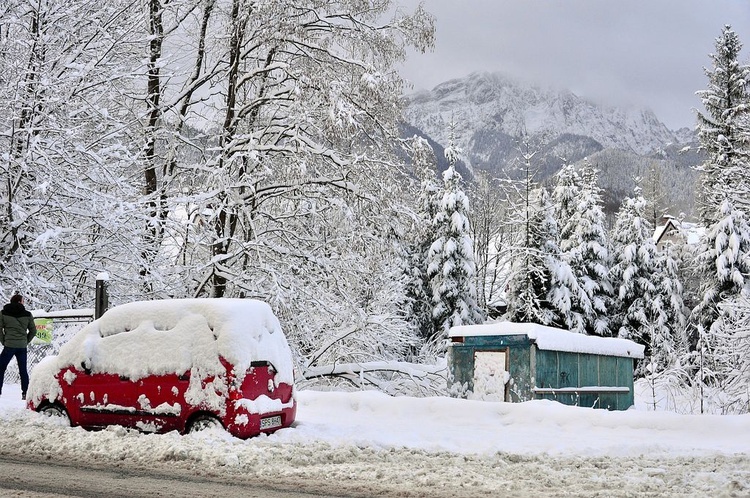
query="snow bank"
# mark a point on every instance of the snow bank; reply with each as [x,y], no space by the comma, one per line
[441,424]
[533,427]
[442,447]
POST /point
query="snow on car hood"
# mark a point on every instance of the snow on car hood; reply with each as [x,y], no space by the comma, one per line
[174,336]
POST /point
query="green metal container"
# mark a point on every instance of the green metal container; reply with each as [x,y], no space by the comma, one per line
[506,361]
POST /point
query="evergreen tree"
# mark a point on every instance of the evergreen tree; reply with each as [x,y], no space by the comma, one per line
[723,263]
[586,250]
[664,367]
[542,287]
[425,164]
[529,281]
[451,266]
[655,193]
[732,355]
[723,129]
[632,274]
[668,339]
[418,283]
[565,197]
[530,276]
[648,303]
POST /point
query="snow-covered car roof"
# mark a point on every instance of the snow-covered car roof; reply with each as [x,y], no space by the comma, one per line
[552,339]
[172,336]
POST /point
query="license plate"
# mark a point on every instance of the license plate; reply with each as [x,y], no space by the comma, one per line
[270,422]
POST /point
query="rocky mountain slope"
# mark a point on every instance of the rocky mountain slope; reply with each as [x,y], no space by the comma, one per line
[491,111]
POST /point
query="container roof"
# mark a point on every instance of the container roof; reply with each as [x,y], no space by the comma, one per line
[552,339]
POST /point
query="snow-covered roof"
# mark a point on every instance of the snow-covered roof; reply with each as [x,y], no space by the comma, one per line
[552,339]
[659,231]
[691,232]
[175,335]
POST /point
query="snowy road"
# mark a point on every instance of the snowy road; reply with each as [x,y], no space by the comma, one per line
[322,470]
[26,476]
[368,444]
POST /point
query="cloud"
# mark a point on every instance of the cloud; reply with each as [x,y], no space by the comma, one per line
[647,53]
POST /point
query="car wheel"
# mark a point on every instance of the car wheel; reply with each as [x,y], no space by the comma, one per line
[204,422]
[55,411]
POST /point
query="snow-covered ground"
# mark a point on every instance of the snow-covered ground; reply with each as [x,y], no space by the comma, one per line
[367,443]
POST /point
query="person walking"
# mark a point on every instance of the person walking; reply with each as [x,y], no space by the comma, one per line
[17,329]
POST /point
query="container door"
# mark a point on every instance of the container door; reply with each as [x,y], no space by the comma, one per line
[490,375]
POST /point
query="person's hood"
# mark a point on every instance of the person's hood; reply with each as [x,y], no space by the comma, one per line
[16,310]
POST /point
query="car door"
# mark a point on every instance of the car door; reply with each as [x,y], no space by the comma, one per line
[88,397]
[159,402]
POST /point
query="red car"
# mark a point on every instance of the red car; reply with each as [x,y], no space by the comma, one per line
[173,365]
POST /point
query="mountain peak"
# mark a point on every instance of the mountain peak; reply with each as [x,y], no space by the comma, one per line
[483,102]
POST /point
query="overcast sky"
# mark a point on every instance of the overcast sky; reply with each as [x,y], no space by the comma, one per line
[648,53]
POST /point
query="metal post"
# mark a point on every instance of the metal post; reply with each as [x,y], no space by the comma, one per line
[102,296]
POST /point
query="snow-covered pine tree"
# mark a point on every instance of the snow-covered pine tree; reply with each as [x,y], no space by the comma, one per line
[733,355]
[632,272]
[655,193]
[667,365]
[670,336]
[529,282]
[565,197]
[542,287]
[418,288]
[425,164]
[451,264]
[723,264]
[530,277]
[724,131]
[586,249]
[685,254]
[647,305]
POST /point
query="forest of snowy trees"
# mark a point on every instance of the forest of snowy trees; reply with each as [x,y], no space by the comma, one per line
[234,148]
[686,303]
